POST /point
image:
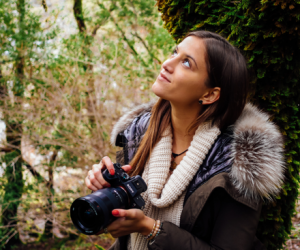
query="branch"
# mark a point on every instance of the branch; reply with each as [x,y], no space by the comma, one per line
[6,150]
[9,147]
[35,173]
[145,45]
[15,232]
[137,56]
[7,61]
[45,5]
[79,15]
[135,13]
[102,22]
[51,25]
[95,30]
[5,236]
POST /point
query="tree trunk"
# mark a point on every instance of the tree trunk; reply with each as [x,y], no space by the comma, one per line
[88,68]
[77,8]
[49,210]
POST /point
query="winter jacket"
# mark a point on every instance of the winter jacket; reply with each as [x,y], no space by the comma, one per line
[243,168]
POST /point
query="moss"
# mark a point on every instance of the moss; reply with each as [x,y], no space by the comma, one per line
[267,33]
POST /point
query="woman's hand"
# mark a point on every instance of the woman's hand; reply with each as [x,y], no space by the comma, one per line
[95,180]
[130,221]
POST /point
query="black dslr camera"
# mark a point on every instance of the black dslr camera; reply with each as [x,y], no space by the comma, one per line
[92,213]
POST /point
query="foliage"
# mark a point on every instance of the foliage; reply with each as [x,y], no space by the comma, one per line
[11,200]
[267,32]
[15,44]
[66,96]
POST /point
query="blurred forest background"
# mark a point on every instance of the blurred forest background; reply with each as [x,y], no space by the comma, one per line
[68,70]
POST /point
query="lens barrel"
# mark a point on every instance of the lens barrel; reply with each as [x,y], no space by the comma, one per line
[92,213]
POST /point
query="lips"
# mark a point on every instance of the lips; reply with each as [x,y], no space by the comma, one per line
[164,77]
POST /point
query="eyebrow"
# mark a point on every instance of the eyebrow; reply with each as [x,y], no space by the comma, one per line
[189,57]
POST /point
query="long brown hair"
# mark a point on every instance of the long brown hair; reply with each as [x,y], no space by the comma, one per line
[227,69]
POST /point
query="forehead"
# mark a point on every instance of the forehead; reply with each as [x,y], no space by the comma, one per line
[194,47]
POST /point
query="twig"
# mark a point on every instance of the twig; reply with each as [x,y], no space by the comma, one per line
[95,30]
[137,56]
[6,150]
[35,173]
[145,45]
[8,226]
[11,236]
[51,25]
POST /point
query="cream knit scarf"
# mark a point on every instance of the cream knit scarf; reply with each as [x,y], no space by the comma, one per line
[165,194]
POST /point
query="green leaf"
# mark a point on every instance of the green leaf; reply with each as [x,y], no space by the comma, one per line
[99,247]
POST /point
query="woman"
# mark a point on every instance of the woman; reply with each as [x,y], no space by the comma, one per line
[208,158]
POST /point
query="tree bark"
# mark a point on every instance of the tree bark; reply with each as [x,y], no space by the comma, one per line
[50,184]
[78,13]
[88,68]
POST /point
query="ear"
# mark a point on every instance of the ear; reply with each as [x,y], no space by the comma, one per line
[211,96]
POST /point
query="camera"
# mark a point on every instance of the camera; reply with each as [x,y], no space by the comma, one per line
[92,213]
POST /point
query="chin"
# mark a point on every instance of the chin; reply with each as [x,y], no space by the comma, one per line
[159,90]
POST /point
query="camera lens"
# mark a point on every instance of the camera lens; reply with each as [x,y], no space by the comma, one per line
[92,213]
[86,215]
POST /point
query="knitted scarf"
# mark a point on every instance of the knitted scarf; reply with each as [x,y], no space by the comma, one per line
[165,194]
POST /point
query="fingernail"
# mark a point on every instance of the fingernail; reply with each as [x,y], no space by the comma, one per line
[115,212]
[112,172]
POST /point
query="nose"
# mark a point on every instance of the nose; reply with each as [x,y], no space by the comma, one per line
[168,66]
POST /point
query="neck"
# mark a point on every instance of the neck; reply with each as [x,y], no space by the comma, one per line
[181,118]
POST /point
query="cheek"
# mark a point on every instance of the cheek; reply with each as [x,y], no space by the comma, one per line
[189,87]
[188,94]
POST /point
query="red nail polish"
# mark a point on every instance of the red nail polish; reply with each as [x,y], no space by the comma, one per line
[112,172]
[115,212]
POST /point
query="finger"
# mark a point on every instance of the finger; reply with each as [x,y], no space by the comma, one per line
[94,181]
[119,227]
[128,214]
[126,168]
[115,225]
[118,213]
[109,165]
[89,184]
[101,165]
[98,175]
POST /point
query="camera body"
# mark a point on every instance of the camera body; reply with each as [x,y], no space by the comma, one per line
[134,186]
[92,213]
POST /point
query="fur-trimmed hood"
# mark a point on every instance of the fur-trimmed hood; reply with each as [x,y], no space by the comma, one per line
[257,151]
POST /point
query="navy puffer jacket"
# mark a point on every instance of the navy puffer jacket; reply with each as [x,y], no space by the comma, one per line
[217,160]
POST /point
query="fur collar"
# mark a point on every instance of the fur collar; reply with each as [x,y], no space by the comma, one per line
[127,119]
[257,151]
[258,156]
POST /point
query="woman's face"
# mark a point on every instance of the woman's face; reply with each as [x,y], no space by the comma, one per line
[182,76]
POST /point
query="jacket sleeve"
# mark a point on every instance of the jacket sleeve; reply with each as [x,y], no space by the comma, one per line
[234,227]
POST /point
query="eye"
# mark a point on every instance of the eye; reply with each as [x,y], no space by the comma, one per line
[186,62]
[174,52]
